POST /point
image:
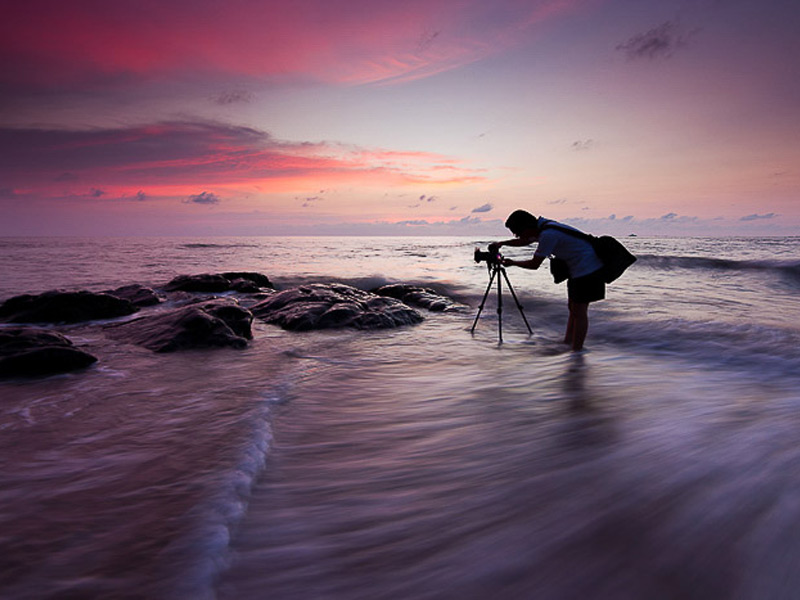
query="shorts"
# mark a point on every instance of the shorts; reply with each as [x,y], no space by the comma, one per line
[588,288]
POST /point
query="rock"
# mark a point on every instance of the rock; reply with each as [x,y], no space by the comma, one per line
[260,280]
[418,296]
[237,318]
[136,294]
[323,306]
[26,352]
[198,283]
[246,282]
[183,298]
[245,286]
[20,339]
[64,307]
[208,325]
[251,299]
[45,361]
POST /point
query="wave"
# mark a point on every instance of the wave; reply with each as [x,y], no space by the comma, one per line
[758,350]
[784,267]
[762,352]
[192,246]
[207,546]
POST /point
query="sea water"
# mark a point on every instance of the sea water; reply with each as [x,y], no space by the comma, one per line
[420,462]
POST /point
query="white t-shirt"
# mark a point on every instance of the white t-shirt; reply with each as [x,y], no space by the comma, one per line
[578,254]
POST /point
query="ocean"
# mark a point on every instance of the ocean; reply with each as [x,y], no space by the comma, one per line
[425,462]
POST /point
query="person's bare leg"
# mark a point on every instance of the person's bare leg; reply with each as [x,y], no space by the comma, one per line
[570,333]
[579,322]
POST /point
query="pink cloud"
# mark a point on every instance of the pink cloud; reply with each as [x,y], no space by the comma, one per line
[51,43]
[168,157]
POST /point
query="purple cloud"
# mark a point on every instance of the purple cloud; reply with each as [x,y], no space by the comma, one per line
[203,198]
[659,42]
[484,208]
[234,97]
[583,145]
[757,217]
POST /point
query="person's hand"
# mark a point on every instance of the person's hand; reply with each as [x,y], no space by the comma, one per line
[507,262]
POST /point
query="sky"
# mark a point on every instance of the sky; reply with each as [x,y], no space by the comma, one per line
[413,117]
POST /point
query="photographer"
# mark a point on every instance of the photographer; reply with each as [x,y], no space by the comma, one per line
[585,283]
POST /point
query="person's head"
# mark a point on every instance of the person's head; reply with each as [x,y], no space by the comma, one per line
[522,223]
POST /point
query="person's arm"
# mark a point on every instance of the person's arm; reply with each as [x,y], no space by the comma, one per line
[533,263]
[520,241]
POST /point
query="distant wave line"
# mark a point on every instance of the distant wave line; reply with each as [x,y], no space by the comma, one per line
[202,245]
[788,267]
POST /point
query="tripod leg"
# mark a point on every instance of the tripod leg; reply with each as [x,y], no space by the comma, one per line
[519,306]
[485,295]
[500,303]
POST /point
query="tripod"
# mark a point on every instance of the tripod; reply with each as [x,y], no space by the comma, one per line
[495,271]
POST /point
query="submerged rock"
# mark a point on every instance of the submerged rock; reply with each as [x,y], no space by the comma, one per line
[324,306]
[136,294]
[58,306]
[418,296]
[27,351]
[215,324]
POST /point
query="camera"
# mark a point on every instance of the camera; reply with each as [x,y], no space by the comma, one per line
[491,258]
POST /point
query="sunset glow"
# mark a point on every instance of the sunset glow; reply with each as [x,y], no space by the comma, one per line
[405,118]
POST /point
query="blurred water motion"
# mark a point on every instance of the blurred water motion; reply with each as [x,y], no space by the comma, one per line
[423,462]
[509,474]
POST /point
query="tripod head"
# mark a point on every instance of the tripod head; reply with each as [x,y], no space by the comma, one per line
[492,258]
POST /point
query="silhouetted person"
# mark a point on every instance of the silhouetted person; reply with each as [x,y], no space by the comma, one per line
[585,283]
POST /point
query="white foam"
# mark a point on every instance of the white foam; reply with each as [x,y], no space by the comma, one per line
[206,549]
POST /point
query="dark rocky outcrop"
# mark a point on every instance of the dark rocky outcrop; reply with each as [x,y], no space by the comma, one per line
[29,352]
[261,280]
[234,316]
[220,323]
[245,286]
[136,294]
[324,306]
[198,283]
[64,307]
[241,281]
[418,296]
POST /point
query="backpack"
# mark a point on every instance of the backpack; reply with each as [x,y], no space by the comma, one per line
[614,256]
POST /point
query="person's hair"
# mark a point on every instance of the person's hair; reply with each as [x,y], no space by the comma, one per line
[521,220]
